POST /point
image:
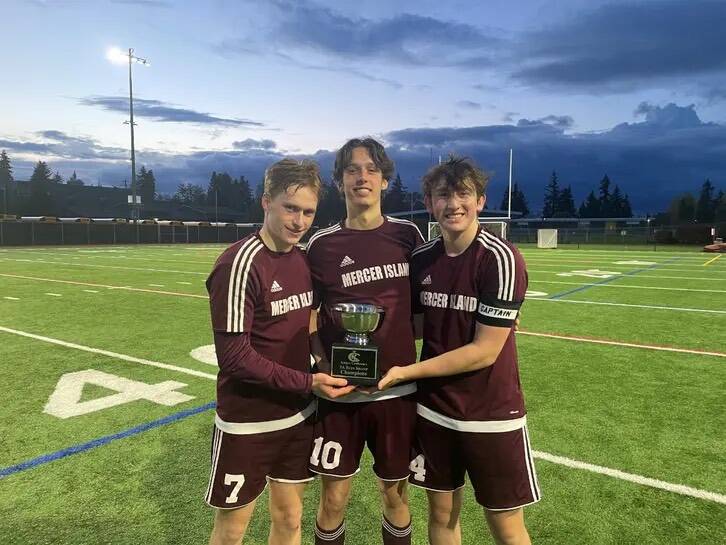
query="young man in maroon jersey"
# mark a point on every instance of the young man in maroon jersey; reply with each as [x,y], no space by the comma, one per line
[469,284]
[364,259]
[260,294]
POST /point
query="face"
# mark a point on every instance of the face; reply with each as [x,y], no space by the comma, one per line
[363,180]
[455,209]
[289,215]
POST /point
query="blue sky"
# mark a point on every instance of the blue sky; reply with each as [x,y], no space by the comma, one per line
[636,90]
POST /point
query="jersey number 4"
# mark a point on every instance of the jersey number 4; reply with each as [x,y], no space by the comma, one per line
[330,448]
[417,468]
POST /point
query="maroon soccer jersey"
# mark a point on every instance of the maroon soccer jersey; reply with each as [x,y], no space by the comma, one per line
[267,295]
[367,266]
[486,283]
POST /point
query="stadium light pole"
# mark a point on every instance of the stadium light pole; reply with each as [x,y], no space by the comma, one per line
[116,55]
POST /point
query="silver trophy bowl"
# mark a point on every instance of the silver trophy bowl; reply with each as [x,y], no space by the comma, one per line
[357,319]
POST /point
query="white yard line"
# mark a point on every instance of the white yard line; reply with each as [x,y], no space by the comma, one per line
[54,294]
[103,266]
[110,354]
[126,288]
[628,345]
[657,277]
[632,477]
[156,285]
[613,285]
[91,291]
[11,298]
[627,305]
[712,260]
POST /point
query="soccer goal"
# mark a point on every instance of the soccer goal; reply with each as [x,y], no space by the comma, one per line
[546,238]
[498,228]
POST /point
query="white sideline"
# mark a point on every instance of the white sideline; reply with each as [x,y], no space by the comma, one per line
[103,266]
[629,345]
[561,460]
[604,285]
[127,288]
[627,305]
[656,276]
[633,478]
[110,354]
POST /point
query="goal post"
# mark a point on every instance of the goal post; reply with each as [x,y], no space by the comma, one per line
[546,238]
[497,227]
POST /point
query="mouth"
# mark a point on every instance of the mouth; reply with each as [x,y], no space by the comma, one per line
[362,191]
[454,216]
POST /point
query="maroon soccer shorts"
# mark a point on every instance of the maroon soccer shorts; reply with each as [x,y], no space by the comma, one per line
[343,429]
[500,465]
[241,464]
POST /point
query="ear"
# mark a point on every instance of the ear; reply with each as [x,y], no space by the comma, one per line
[266,202]
[480,204]
[384,185]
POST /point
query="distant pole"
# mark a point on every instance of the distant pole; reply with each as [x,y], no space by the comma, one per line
[216,213]
[509,205]
[134,209]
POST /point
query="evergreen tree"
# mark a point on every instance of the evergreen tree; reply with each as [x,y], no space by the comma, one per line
[682,209]
[590,207]
[519,201]
[620,204]
[146,185]
[6,178]
[395,198]
[245,193]
[719,202]
[41,173]
[565,204]
[606,204]
[189,194]
[706,205]
[74,180]
[552,197]
[57,178]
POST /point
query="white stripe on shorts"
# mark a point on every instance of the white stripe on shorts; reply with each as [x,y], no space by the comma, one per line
[216,446]
[249,428]
[476,426]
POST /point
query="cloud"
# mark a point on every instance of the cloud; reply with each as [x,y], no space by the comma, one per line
[469,105]
[620,45]
[145,3]
[159,111]
[405,39]
[250,144]
[654,159]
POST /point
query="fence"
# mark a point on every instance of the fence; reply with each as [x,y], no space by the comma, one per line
[30,233]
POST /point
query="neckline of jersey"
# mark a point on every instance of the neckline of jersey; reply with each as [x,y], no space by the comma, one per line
[343,226]
[270,251]
[466,250]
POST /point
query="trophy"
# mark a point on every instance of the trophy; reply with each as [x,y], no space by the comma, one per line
[356,359]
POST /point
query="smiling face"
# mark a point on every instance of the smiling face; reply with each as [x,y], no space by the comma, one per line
[456,208]
[363,180]
[288,216]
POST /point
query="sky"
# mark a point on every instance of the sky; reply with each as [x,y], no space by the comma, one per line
[634,90]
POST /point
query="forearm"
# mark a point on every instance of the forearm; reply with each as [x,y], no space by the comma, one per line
[469,357]
[237,357]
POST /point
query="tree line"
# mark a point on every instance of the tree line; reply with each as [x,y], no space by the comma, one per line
[242,197]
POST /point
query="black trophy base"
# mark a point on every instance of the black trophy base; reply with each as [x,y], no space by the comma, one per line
[357,364]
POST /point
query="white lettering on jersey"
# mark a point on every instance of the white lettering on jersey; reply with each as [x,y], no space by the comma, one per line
[373,274]
[493,312]
[453,301]
[293,302]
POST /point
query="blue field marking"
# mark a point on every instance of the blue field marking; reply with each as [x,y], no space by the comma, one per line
[75,449]
[611,279]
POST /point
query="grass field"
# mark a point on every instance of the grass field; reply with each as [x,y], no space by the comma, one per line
[629,435]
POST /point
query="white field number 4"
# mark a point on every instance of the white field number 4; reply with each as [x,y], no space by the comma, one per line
[331,447]
[417,468]
[238,481]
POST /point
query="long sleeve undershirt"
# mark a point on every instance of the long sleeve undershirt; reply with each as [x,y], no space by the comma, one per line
[236,356]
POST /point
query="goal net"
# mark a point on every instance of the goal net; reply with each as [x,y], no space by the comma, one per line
[498,228]
[546,238]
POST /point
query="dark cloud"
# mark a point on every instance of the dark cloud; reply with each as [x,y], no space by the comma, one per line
[670,151]
[249,144]
[159,111]
[469,105]
[618,45]
[405,39]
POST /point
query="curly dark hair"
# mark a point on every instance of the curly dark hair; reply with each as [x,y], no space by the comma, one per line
[457,173]
[375,150]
